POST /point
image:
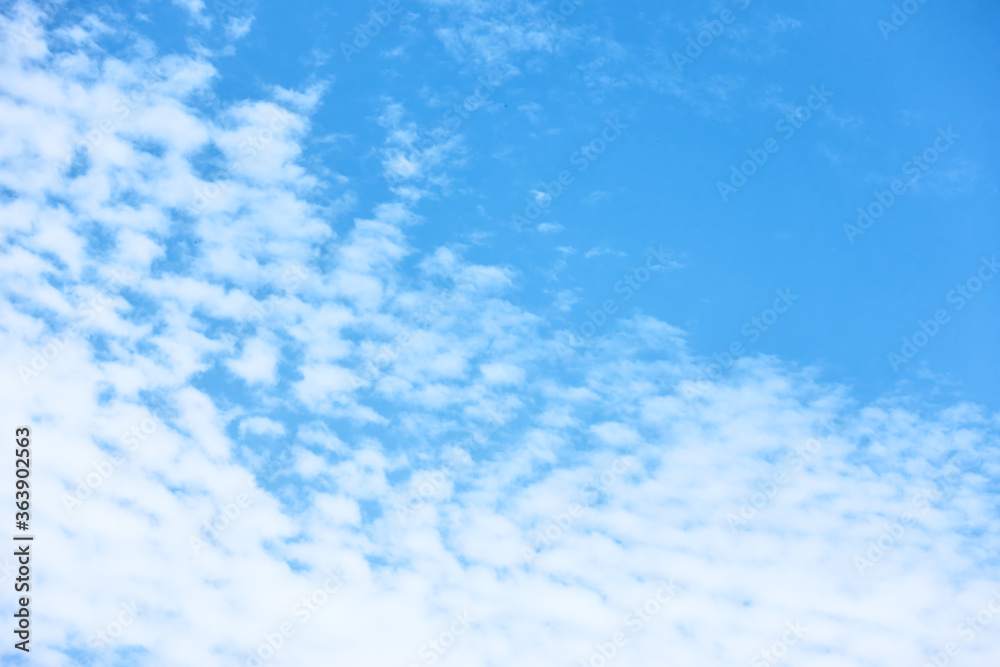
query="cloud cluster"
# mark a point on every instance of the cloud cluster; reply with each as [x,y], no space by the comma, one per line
[237,364]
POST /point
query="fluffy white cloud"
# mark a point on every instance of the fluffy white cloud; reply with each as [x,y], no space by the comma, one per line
[262,426]
[258,363]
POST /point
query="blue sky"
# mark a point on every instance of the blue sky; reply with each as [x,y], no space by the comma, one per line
[529,313]
[686,128]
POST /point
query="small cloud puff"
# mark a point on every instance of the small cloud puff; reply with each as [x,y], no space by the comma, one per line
[261,426]
[238,27]
[597,252]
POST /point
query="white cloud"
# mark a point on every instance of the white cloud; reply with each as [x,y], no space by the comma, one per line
[541,198]
[598,465]
[616,434]
[262,426]
[597,252]
[237,27]
[258,363]
[196,8]
[564,300]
